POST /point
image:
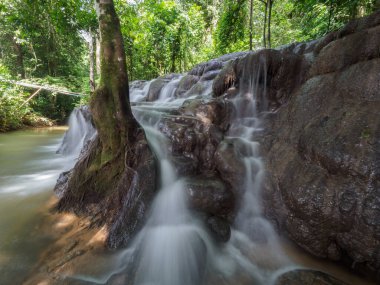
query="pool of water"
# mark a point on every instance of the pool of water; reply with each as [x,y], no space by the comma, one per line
[29,168]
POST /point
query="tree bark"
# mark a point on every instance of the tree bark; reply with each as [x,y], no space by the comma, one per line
[270,4]
[110,107]
[251,26]
[330,16]
[114,179]
[92,45]
[19,59]
[265,23]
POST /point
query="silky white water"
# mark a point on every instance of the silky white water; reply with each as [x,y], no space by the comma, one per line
[174,247]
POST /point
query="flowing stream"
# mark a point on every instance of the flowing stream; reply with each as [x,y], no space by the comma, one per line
[29,169]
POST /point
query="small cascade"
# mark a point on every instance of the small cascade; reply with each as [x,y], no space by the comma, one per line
[167,93]
[81,130]
[139,90]
[171,246]
[252,229]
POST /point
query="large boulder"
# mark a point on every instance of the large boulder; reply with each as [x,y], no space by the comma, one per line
[322,151]
[321,141]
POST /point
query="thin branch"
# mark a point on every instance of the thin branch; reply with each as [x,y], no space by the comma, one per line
[43,87]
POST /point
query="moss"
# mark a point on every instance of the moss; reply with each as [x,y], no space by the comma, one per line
[366,134]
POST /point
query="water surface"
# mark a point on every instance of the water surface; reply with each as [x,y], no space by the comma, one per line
[29,168]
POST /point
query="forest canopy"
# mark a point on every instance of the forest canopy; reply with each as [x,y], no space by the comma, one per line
[56,42]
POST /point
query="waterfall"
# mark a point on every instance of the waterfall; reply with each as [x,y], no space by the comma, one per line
[81,130]
[175,247]
[171,246]
[253,232]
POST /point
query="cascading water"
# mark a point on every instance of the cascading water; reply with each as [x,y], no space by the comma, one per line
[80,131]
[252,230]
[174,247]
[170,247]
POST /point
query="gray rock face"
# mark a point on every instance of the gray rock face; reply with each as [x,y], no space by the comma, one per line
[322,152]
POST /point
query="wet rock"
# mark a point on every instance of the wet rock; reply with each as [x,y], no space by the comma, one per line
[137,84]
[229,165]
[219,228]
[307,277]
[155,88]
[61,185]
[321,149]
[185,84]
[210,196]
[210,75]
[346,51]
[196,132]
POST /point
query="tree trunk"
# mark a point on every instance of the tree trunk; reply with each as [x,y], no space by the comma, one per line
[114,180]
[265,23]
[92,62]
[19,59]
[97,54]
[251,26]
[110,104]
[269,21]
[330,16]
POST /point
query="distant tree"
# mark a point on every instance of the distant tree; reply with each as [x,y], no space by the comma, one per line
[231,25]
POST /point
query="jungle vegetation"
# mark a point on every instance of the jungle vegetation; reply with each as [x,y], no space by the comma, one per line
[56,42]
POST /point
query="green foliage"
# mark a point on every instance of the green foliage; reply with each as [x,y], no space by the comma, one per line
[56,106]
[231,29]
[40,38]
[162,36]
[318,17]
[11,98]
[11,114]
[47,42]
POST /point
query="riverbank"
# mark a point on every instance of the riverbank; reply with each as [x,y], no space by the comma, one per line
[29,121]
[76,240]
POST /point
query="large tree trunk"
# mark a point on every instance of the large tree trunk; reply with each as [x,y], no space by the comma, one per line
[110,104]
[115,179]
